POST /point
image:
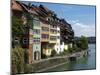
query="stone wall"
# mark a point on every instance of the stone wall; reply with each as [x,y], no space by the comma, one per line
[47,63]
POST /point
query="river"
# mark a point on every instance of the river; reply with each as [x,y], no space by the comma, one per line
[84,63]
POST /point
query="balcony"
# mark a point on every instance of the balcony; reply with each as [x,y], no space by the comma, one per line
[36,33]
[36,27]
[45,25]
[45,30]
[53,27]
[36,24]
[36,36]
[53,32]
[45,38]
[53,39]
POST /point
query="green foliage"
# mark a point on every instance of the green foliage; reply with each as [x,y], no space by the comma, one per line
[76,49]
[18,59]
[70,50]
[79,45]
[64,52]
[43,56]
[82,43]
[26,58]
[17,27]
[53,53]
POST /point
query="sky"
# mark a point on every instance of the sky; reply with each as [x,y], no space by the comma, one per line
[81,17]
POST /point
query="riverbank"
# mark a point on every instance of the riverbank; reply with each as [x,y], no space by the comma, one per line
[84,63]
[49,63]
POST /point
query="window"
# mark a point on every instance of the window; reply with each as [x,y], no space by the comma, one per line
[58,37]
[53,26]
[52,37]
[25,41]
[53,31]
[45,29]
[36,40]
[57,49]
[36,22]
[58,31]
[46,36]
[36,31]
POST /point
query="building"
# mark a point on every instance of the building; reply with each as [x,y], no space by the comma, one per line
[57,46]
[36,39]
[43,30]
[67,35]
[45,38]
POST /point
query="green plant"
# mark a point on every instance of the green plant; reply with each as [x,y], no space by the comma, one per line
[76,49]
[26,54]
[17,59]
[43,56]
[53,53]
[17,26]
[82,43]
[70,50]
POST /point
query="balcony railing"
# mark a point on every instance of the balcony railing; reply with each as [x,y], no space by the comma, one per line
[53,39]
[45,39]
[45,25]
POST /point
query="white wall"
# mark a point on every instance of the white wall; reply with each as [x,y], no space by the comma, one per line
[57,46]
[62,47]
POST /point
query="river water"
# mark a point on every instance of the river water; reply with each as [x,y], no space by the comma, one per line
[84,63]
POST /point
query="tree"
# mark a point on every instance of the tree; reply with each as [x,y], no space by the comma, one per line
[17,30]
[17,27]
[82,43]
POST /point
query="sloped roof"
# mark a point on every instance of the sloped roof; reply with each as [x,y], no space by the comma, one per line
[42,12]
[45,9]
[16,6]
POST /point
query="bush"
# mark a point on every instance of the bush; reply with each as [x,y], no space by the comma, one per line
[26,54]
[64,52]
[75,48]
[17,59]
[70,50]
[53,53]
[43,56]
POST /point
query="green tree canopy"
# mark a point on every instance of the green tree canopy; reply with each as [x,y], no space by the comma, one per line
[17,27]
[82,43]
